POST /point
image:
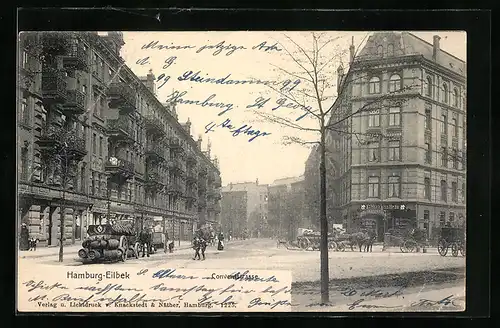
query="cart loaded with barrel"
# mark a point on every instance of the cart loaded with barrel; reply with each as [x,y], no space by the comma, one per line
[117,242]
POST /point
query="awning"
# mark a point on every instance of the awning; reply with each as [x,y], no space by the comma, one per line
[371,212]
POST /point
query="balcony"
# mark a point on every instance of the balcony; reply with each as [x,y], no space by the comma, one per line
[191,159]
[120,167]
[54,139]
[75,103]
[153,125]
[155,152]
[120,129]
[176,165]
[54,87]
[154,181]
[76,57]
[191,176]
[121,96]
[56,43]
[175,188]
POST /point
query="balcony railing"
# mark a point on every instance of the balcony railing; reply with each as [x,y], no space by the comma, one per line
[76,57]
[153,125]
[120,128]
[154,181]
[54,86]
[155,151]
[120,166]
[75,103]
[56,139]
[121,96]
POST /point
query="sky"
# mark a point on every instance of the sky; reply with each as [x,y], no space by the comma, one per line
[248,56]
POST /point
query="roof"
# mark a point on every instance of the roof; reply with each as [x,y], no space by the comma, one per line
[406,43]
[286,181]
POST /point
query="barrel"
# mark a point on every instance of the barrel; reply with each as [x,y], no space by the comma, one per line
[94,254]
[82,253]
[95,244]
[104,243]
[113,243]
[111,254]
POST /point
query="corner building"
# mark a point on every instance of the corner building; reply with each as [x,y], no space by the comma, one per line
[400,160]
[96,145]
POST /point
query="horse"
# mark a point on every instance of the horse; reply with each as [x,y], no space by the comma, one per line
[369,239]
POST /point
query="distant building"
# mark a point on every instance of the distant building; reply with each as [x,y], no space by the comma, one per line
[286,207]
[256,205]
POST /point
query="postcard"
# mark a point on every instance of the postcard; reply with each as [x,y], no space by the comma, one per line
[244,171]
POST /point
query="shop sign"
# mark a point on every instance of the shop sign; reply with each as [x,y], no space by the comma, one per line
[383,207]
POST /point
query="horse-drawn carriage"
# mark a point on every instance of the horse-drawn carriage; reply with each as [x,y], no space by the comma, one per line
[408,240]
[117,241]
[454,238]
[310,239]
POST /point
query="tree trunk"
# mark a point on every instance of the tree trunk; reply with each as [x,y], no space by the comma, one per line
[61,237]
[325,298]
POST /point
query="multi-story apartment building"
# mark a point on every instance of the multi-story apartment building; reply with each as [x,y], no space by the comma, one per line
[287,207]
[95,143]
[399,157]
[255,200]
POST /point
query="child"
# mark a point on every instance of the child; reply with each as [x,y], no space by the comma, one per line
[32,243]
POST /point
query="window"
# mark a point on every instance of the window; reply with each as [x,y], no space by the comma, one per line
[394,147]
[464,192]
[100,146]
[92,181]
[94,143]
[374,118]
[97,103]
[394,83]
[442,219]
[373,151]
[25,59]
[444,125]
[395,116]
[428,119]
[97,183]
[452,217]
[454,155]
[427,188]
[390,50]
[444,96]
[428,153]
[24,110]
[380,51]
[24,163]
[373,187]
[82,179]
[374,85]
[455,127]
[456,98]
[454,192]
[394,186]
[428,87]
[444,157]
[84,89]
[444,191]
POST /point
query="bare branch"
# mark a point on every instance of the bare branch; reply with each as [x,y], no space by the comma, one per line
[288,140]
[283,121]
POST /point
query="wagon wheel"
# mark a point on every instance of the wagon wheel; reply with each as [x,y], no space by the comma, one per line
[304,243]
[341,247]
[442,247]
[140,250]
[402,247]
[454,249]
[136,249]
[462,249]
[332,245]
[410,245]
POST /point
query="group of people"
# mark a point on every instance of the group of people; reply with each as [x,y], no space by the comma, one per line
[200,244]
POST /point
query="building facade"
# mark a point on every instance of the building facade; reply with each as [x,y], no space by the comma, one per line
[96,145]
[287,208]
[256,200]
[399,159]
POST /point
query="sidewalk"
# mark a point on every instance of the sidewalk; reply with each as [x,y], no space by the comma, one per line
[73,249]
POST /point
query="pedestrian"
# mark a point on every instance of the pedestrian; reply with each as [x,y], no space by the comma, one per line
[203,247]
[196,247]
[220,246]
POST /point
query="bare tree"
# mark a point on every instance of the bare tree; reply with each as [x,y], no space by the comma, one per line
[315,96]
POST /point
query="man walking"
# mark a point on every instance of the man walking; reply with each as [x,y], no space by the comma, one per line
[196,247]
[203,247]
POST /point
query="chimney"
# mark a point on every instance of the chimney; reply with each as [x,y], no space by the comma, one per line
[435,50]
[351,50]
[340,77]
[199,142]
[150,82]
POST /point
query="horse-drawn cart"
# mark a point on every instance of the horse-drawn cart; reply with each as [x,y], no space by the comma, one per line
[454,238]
